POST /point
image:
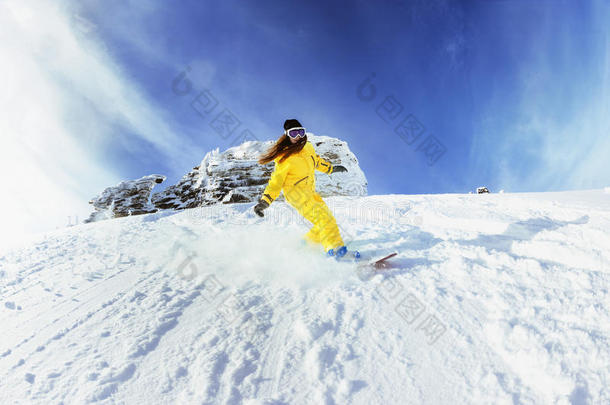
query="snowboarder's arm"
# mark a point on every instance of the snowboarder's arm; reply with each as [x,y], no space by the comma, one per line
[276,182]
[323,165]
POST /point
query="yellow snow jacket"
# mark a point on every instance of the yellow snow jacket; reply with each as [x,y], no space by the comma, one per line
[296,176]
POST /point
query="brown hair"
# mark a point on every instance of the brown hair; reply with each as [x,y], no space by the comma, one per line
[283,146]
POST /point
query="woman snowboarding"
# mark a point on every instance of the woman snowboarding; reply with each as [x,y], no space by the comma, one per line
[295,164]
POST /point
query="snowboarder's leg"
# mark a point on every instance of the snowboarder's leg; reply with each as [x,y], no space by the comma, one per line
[313,235]
[318,213]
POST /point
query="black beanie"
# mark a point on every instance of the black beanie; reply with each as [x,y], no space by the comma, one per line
[291,124]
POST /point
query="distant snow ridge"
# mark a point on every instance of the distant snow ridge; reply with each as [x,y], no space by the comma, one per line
[232,176]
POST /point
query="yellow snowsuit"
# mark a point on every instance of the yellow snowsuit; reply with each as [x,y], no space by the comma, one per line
[296,177]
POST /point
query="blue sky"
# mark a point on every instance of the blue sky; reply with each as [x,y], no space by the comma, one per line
[516,93]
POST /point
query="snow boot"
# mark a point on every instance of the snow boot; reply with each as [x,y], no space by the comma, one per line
[337,253]
[340,252]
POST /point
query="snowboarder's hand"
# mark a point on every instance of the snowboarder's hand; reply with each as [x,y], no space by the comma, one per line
[338,168]
[258,208]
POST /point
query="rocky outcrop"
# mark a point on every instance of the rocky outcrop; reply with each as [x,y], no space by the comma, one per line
[230,176]
[235,176]
[131,197]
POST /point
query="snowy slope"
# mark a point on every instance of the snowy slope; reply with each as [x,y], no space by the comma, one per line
[499,298]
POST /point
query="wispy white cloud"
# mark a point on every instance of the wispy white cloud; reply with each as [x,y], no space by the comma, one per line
[561,151]
[58,78]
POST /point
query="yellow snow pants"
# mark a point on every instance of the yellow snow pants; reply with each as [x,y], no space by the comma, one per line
[324,230]
[295,176]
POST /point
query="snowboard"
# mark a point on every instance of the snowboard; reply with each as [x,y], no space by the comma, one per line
[383,263]
[367,266]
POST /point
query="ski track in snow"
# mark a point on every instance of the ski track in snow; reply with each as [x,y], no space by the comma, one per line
[499,298]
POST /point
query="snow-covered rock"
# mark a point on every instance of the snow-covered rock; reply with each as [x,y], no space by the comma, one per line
[235,176]
[131,197]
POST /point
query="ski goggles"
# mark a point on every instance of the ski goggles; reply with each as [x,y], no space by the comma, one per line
[296,132]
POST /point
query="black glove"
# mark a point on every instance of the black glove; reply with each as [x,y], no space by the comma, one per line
[258,208]
[338,168]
